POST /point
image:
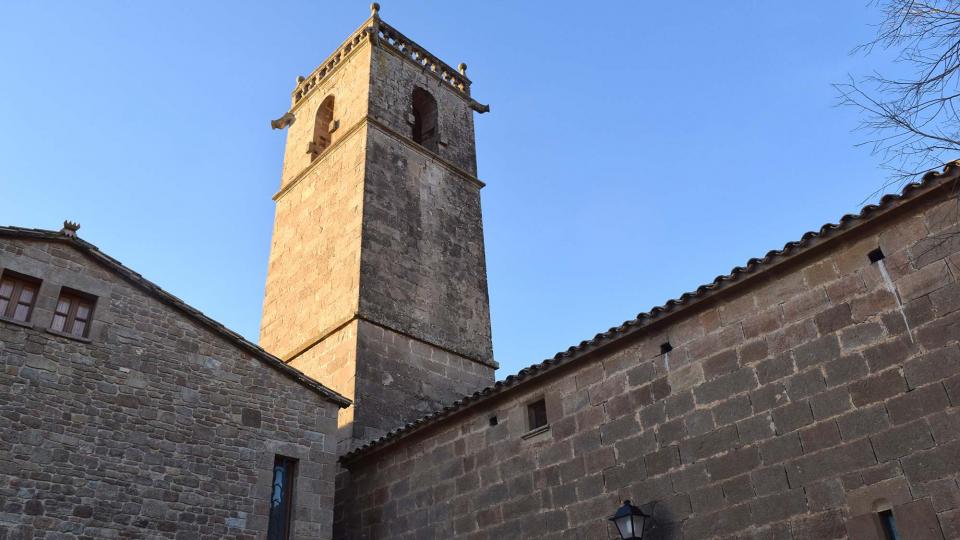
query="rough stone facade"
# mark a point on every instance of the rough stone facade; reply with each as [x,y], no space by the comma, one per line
[377,279]
[152,427]
[795,398]
[796,403]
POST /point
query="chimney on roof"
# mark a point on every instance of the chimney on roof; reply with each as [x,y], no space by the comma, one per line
[69,229]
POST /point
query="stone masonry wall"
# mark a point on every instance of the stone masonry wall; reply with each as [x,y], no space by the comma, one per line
[401,379]
[334,361]
[152,428]
[794,407]
[314,269]
[423,270]
[349,84]
[391,102]
[380,239]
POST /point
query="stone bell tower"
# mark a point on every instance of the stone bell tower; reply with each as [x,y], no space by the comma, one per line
[377,282]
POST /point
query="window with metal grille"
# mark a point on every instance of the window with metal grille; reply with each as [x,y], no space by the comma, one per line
[73,313]
[18,294]
[281,498]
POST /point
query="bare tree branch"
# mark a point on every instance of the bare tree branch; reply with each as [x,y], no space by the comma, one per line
[912,123]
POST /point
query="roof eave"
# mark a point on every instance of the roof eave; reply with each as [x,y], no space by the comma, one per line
[755,269]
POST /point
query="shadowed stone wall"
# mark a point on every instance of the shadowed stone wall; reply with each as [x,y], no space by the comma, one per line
[153,427]
[795,406]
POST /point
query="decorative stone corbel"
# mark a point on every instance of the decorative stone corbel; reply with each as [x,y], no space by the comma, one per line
[284,121]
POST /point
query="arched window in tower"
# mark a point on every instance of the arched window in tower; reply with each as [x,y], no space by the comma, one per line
[424,119]
[323,128]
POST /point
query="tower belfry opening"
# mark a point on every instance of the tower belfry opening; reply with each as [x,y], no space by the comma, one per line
[324,126]
[424,116]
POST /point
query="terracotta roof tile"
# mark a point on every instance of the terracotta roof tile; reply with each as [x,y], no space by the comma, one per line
[930,181]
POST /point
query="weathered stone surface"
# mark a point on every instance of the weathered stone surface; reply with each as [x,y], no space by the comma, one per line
[377,277]
[152,427]
[792,389]
[902,440]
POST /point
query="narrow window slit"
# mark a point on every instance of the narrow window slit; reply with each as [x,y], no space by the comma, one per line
[665,347]
[876,255]
[494,421]
[889,525]
[281,498]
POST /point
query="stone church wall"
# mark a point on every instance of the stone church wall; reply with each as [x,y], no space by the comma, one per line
[795,406]
[154,427]
[423,270]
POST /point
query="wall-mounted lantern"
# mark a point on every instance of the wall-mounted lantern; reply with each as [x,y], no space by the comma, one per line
[630,521]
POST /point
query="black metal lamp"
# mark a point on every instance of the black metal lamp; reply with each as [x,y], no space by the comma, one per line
[630,521]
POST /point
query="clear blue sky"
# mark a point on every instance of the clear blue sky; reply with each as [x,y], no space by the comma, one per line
[635,150]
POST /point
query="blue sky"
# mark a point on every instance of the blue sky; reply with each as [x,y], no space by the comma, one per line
[634,150]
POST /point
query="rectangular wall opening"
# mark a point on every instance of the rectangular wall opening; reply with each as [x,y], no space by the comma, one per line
[281,498]
[537,414]
[889,525]
[876,255]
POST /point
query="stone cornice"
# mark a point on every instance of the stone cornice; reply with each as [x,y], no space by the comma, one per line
[353,130]
[307,85]
[384,128]
[337,326]
[391,40]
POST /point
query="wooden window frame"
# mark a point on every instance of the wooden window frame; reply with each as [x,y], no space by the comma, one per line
[532,414]
[19,280]
[75,298]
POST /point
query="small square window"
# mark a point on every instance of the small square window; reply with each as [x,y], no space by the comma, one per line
[73,313]
[18,294]
[537,414]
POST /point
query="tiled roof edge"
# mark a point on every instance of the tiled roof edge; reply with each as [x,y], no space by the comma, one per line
[930,180]
[157,292]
